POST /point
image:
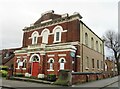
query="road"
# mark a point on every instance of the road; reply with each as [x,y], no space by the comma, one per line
[100,84]
[18,84]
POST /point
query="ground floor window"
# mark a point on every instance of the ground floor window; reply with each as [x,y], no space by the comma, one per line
[62,63]
[18,63]
[24,63]
[51,61]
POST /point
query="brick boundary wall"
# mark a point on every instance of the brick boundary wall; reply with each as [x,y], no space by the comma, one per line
[78,77]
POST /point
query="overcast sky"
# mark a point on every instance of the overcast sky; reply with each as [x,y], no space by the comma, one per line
[99,15]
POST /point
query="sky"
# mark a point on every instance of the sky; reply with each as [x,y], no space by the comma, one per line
[99,15]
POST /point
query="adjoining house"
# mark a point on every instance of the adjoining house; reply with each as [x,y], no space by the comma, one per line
[110,65]
[59,42]
[7,57]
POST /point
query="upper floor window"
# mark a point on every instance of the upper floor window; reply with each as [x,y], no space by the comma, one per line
[45,34]
[100,48]
[92,43]
[86,39]
[57,33]
[35,35]
[97,46]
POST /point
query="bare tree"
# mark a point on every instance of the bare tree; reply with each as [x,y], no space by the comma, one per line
[111,42]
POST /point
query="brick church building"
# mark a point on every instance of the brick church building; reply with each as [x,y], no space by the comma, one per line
[59,42]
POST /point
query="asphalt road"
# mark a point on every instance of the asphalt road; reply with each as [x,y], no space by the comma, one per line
[6,84]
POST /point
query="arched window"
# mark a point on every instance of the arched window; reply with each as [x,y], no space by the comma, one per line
[57,33]
[97,46]
[92,43]
[86,39]
[35,35]
[35,58]
[51,61]
[18,63]
[24,63]
[62,63]
[44,35]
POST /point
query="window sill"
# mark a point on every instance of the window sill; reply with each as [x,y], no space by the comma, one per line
[50,70]
[56,41]
[87,68]
[24,68]
[98,69]
[18,68]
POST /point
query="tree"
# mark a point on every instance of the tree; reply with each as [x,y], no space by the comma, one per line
[111,42]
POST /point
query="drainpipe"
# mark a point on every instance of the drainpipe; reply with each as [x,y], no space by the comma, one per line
[82,47]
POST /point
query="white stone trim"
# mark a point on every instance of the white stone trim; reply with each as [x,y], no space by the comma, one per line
[62,50]
[18,57]
[87,68]
[50,70]
[61,59]
[46,21]
[64,15]
[51,55]
[78,56]
[45,30]
[23,68]
[30,38]
[24,56]
[33,56]
[19,53]
[51,25]
[64,30]
[51,59]
[61,54]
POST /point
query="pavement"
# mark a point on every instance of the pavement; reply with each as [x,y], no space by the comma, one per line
[32,80]
[100,83]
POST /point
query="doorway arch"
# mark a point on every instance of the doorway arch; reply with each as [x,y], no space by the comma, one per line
[34,60]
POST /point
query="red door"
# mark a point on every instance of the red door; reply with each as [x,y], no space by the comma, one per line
[35,66]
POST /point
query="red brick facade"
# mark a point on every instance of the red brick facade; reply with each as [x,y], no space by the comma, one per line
[50,56]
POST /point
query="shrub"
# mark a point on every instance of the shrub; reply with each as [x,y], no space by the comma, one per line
[19,75]
[51,77]
[4,73]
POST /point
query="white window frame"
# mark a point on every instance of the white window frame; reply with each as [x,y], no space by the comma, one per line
[18,63]
[31,58]
[35,34]
[62,65]
[51,64]
[86,39]
[55,30]
[24,68]
[97,47]
[44,36]
[87,60]
[92,42]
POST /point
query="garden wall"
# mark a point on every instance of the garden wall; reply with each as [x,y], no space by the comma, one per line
[78,77]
